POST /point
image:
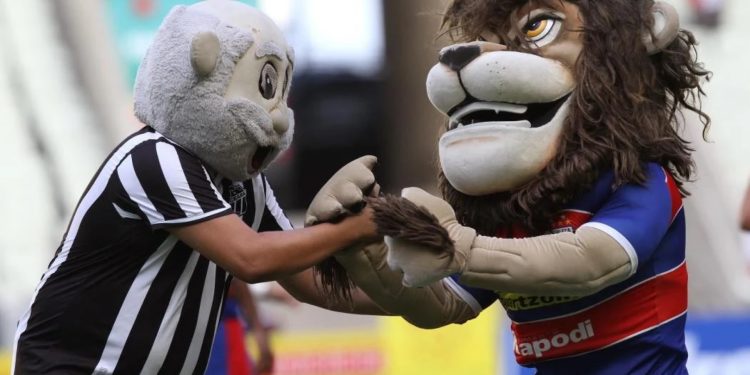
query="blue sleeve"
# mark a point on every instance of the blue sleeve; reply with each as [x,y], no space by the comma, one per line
[638,216]
[479,299]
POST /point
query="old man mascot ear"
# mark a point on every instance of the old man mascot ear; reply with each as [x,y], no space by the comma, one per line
[562,176]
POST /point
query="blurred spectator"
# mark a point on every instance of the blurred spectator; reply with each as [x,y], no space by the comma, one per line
[707,12]
[745,212]
[229,355]
[745,226]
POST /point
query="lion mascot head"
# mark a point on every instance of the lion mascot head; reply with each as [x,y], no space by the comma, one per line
[543,96]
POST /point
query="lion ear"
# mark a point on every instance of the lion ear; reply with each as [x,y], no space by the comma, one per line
[204,53]
[665,30]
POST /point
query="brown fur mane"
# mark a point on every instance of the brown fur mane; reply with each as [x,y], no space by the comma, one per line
[623,111]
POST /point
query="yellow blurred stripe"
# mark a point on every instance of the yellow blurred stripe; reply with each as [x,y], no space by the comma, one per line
[5,362]
[394,348]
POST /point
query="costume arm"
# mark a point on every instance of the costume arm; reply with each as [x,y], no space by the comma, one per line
[304,287]
[580,263]
[432,306]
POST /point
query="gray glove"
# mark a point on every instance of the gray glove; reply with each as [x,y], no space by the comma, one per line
[344,191]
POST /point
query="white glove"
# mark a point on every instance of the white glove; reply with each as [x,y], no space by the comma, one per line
[420,265]
[345,190]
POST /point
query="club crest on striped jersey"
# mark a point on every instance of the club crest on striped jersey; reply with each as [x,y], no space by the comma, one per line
[238,198]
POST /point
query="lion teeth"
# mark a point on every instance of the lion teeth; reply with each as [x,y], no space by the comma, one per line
[489,106]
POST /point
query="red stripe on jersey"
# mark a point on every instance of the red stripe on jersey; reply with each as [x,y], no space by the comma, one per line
[632,312]
[238,362]
[674,194]
[512,231]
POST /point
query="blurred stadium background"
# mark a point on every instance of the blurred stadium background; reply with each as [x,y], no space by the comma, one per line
[66,72]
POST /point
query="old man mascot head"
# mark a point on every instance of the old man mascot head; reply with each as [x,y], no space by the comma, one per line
[226,103]
[562,171]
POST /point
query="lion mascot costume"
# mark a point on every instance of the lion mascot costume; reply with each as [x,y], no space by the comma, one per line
[562,177]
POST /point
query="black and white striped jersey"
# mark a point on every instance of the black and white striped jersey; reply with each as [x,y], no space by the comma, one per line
[122,295]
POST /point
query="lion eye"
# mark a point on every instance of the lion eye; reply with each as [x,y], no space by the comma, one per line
[269,79]
[542,31]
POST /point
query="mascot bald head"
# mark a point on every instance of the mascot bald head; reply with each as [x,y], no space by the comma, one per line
[215,81]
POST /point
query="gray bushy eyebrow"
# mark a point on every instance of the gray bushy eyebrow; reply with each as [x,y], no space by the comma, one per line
[270,49]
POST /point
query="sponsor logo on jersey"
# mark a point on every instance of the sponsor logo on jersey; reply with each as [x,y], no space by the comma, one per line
[630,313]
[537,348]
[520,302]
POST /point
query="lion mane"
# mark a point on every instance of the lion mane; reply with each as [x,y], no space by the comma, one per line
[624,110]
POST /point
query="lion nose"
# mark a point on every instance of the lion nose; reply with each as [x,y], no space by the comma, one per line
[457,57]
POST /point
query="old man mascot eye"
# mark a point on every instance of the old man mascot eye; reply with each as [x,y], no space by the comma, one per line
[562,180]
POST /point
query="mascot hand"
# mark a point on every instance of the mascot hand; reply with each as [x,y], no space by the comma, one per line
[423,264]
[344,192]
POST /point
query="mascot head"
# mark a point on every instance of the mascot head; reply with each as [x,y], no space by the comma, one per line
[544,95]
[215,81]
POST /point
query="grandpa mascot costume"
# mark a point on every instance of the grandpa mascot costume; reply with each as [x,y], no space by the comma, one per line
[179,207]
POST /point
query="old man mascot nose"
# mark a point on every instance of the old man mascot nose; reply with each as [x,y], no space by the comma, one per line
[562,180]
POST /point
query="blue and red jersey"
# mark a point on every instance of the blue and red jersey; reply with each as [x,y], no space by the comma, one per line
[229,354]
[633,327]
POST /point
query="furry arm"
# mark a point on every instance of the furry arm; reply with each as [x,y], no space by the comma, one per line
[579,263]
[433,306]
